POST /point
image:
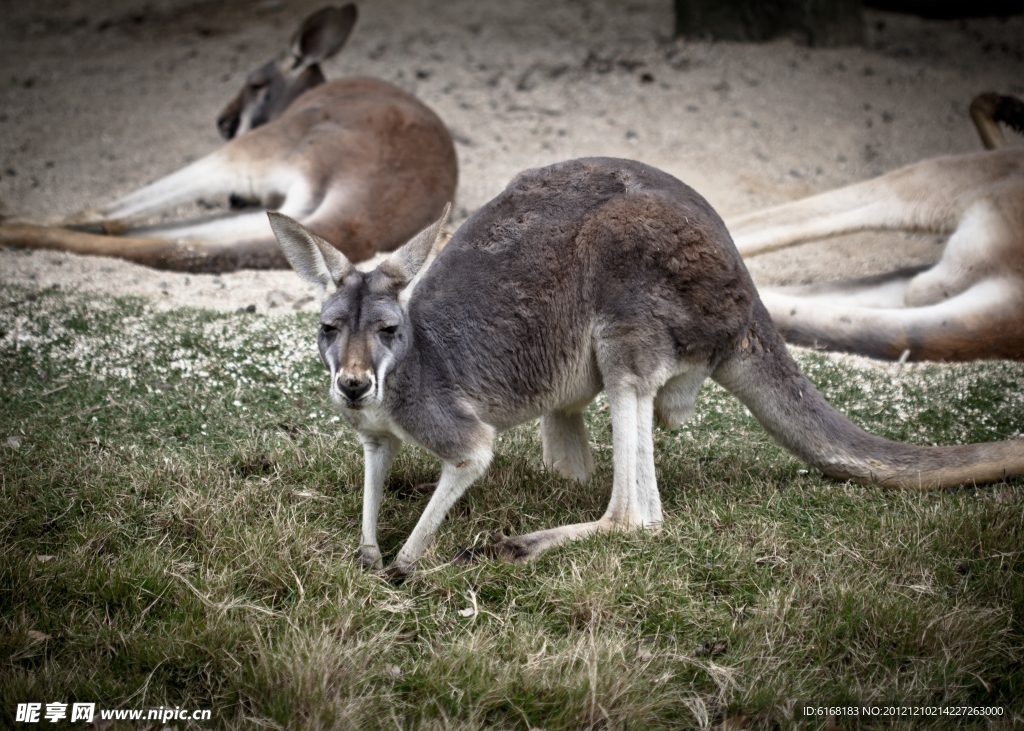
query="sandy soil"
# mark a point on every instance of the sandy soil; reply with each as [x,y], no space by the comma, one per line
[102,96]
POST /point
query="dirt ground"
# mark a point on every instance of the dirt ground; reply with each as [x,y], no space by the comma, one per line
[98,97]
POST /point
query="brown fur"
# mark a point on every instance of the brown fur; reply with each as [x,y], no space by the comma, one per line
[359,161]
[945,311]
[970,305]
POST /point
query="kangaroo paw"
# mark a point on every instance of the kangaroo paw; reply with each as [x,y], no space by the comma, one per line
[397,574]
[94,220]
[369,557]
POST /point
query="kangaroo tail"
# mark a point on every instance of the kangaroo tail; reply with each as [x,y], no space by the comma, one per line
[768,381]
[167,254]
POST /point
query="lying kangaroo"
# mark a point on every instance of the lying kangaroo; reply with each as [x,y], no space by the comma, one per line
[589,274]
[359,161]
[970,305]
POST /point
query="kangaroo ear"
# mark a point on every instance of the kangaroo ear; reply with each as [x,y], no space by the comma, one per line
[322,34]
[314,259]
[408,262]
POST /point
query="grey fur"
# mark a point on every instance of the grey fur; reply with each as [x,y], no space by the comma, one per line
[590,274]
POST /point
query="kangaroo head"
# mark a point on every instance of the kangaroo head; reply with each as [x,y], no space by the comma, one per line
[364,331]
[273,86]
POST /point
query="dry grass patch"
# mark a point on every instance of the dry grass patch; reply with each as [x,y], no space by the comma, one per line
[181,508]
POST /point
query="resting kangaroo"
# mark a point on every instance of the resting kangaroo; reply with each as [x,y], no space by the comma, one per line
[359,161]
[587,275]
[970,305]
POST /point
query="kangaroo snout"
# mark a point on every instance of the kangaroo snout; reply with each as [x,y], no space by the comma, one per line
[353,386]
[227,122]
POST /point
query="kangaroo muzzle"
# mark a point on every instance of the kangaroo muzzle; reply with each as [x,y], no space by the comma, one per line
[354,386]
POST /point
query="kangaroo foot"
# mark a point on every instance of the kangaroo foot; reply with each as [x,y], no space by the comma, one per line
[518,549]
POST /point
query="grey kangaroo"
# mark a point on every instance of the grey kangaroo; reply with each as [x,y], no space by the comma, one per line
[587,275]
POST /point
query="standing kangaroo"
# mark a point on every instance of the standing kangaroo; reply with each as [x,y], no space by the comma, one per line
[969,305]
[587,275]
[359,161]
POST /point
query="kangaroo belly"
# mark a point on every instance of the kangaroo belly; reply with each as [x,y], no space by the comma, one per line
[569,388]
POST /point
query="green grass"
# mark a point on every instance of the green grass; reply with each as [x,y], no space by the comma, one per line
[179,509]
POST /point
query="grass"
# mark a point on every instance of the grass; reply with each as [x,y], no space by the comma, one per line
[180,508]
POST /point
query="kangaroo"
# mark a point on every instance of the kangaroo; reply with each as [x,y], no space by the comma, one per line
[586,275]
[359,161]
[969,305]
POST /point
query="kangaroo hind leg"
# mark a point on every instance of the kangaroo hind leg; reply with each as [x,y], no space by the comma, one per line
[983,322]
[903,200]
[634,501]
[220,174]
[207,177]
[985,244]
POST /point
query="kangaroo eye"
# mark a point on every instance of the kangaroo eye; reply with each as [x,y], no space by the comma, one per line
[389,330]
[328,329]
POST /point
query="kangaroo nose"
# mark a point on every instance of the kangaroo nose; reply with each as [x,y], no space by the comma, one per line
[227,125]
[353,387]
